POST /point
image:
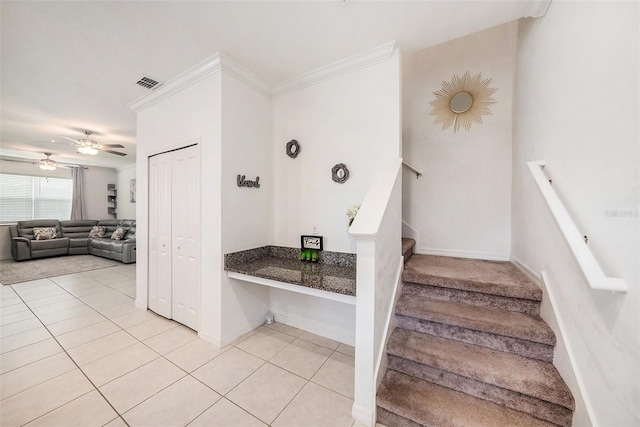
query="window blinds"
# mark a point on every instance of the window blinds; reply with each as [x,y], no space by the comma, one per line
[33,197]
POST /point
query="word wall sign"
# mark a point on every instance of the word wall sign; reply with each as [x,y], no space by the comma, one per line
[243,182]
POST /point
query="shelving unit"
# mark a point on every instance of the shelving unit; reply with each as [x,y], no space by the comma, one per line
[112,194]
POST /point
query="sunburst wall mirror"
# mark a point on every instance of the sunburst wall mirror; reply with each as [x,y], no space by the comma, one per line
[462,101]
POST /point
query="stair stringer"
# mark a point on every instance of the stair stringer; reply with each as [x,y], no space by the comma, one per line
[410,232]
[563,355]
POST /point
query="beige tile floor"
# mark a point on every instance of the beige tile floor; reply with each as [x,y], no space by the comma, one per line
[75,351]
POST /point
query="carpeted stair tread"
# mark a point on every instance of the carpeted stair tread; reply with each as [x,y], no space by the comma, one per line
[483,319]
[511,399]
[407,245]
[509,371]
[531,349]
[429,404]
[520,305]
[490,277]
[407,248]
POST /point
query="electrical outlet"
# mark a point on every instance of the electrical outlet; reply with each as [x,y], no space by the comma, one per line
[314,228]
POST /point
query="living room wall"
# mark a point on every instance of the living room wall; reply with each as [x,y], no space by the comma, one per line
[96,180]
[126,208]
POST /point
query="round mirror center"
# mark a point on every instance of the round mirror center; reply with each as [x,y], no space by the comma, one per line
[461,102]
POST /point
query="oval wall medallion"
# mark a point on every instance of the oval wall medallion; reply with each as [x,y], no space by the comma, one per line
[340,173]
[293,148]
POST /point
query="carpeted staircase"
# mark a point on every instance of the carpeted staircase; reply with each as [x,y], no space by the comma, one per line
[470,349]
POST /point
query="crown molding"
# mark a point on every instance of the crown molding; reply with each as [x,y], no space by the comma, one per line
[536,8]
[347,65]
[236,70]
[220,62]
[183,80]
[211,65]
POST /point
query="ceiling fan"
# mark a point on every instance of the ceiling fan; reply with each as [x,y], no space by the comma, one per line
[47,164]
[87,145]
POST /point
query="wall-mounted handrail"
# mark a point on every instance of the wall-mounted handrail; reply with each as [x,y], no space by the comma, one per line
[416,171]
[590,267]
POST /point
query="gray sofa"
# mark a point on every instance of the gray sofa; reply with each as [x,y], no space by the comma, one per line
[72,238]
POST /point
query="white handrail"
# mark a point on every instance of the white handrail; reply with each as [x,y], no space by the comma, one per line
[416,171]
[590,267]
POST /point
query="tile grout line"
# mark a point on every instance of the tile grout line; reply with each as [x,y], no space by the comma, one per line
[70,358]
[163,356]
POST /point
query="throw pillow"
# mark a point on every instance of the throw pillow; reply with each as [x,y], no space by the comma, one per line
[118,234]
[97,231]
[44,233]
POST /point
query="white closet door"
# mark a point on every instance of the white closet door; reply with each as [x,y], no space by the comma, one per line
[185,231]
[160,234]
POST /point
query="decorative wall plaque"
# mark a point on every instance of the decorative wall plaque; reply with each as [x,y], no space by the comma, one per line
[242,182]
[340,173]
[293,148]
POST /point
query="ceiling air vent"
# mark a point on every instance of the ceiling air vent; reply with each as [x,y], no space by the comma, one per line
[147,82]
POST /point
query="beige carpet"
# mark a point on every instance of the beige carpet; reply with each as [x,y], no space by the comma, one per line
[16,272]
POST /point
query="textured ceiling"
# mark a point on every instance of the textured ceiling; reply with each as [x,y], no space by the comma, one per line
[68,66]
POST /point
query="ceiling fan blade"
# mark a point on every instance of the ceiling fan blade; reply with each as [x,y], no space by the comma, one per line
[114,152]
[68,143]
[70,139]
[112,145]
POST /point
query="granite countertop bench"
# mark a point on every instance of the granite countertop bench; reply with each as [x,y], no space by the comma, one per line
[334,272]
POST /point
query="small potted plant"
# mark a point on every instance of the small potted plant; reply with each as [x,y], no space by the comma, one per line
[352,212]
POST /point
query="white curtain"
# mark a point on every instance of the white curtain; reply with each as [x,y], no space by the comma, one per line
[77,198]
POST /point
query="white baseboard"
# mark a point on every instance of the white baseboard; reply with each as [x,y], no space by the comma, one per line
[462,254]
[363,415]
[531,274]
[346,336]
[230,338]
[209,338]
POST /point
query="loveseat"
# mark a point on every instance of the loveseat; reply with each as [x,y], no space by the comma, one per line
[72,238]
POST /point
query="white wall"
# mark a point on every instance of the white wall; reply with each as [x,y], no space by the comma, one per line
[246,149]
[191,115]
[352,119]
[577,108]
[461,206]
[126,209]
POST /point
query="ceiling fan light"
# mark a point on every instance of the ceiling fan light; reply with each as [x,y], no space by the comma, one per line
[47,167]
[87,150]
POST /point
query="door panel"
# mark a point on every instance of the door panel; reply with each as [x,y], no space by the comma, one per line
[186,237]
[160,248]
